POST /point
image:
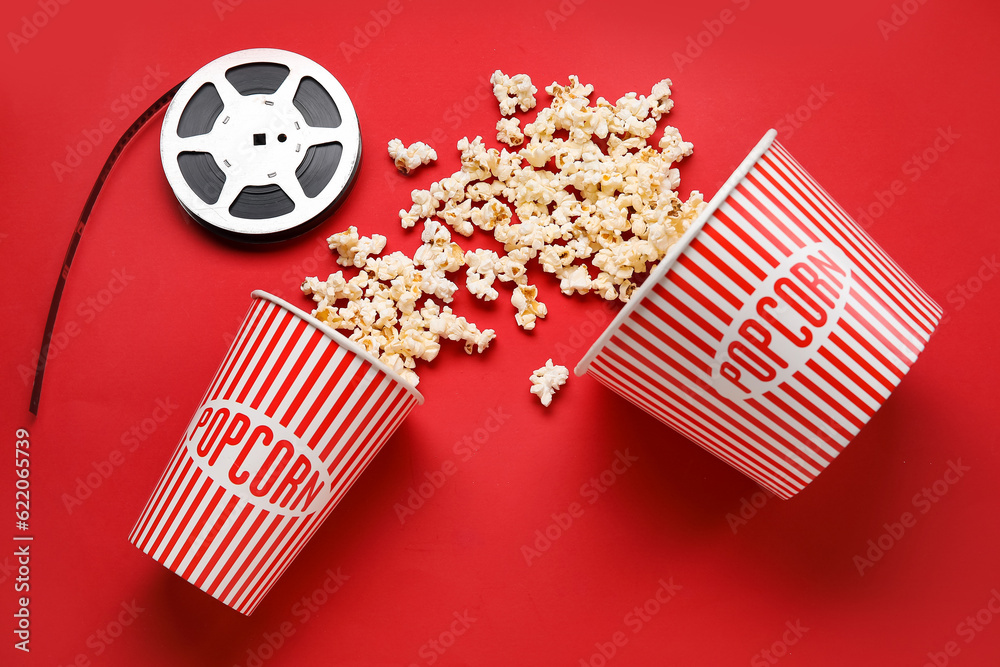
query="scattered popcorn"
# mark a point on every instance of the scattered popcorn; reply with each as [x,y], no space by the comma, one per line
[508,132]
[574,279]
[389,306]
[408,158]
[528,308]
[660,96]
[512,268]
[353,249]
[547,380]
[487,217]
[672,145]
[482,273]
[457,328]
[424,205]
[512,91]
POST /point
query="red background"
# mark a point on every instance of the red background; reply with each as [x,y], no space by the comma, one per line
[668,515]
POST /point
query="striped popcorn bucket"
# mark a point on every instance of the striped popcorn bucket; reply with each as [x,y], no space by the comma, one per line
[772,331]
[294,414]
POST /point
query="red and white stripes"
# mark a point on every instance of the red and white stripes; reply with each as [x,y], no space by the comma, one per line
[774,334]
[290,420]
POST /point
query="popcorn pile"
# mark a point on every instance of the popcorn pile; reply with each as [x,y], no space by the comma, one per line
[408,158]
[597,208]
[383,308]
[595,204]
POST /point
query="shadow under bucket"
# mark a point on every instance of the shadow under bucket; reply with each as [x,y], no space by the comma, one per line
[772,331]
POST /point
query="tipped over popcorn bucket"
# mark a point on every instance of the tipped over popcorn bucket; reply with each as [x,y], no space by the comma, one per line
[772,331]
[292,417]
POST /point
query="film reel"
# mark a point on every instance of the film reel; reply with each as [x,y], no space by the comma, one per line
[259,145]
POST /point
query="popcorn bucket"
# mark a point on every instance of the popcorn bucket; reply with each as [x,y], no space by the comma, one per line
[292,417]
[772,331]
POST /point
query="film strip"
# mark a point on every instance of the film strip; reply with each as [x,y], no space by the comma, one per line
[258,146]
[74,242]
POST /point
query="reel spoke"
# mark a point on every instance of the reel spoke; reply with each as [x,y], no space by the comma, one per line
[286,91]
[200,143]
[230,96]
[292,188]
[313,136]
[232,187]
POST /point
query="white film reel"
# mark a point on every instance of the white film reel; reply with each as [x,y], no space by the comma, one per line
[259,145]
